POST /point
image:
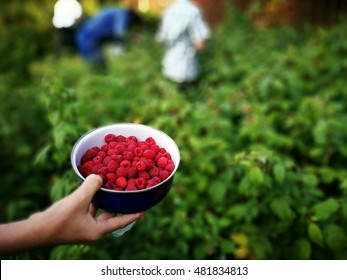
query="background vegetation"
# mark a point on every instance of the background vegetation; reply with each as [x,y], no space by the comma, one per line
[262,137]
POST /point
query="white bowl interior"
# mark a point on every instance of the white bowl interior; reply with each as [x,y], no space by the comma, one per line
[96,138]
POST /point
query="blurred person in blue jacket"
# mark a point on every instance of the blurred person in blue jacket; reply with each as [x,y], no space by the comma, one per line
[184,33]
[110,25]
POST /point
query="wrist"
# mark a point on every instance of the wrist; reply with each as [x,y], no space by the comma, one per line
[39,230]
[22,235]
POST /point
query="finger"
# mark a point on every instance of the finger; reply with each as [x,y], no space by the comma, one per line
[90,186]
[104,216]
[119,222]
[92,209]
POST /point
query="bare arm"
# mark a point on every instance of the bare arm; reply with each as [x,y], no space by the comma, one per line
[200,45]
[70,220]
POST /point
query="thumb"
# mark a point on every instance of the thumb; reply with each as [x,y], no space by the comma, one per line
[90,186]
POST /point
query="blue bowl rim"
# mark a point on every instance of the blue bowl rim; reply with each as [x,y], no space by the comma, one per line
[125,192]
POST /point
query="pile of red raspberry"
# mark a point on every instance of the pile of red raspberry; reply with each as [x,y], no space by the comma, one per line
[127,164]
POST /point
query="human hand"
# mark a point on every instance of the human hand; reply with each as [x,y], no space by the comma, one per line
[200,45]
[73,219]
[70,220]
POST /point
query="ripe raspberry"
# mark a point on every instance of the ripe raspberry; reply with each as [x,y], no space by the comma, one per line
[96,168]
[125,164]
[149,154]
[84,159]
[150,183]
[112,152]
[95,149]
[111,177]
[131,185]
[140,143]
[150,141]
[154,171]
[97,159]
[128,155]
[110,138]
[120,148]
[158,156]
[155,148]
[156,179]
[144,147]
[140,183]
[90,154]
[167,155]
[112,145]
[121,182]
[104,148]
[170,167]
[136,159]
[162,162]
[103,171]
[131,139]
[122,172]
[141,166]
[120,138]
[149,163]
[132,188]
[106,160]
[84,171]
[109,186]
[117,158]
[103,178]
[163,174]
[131,146]
[101,154]
[145,175]
[153,182]
[132,172]
[138,151]
[88,165]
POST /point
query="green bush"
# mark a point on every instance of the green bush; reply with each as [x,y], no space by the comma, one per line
[262,172]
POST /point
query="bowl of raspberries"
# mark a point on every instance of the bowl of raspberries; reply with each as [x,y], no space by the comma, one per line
[136,162]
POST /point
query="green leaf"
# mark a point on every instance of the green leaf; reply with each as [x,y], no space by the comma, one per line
[315,234]
[42,156]
[310,180]
[344,209]
[280,207]
[227,246]
[302,249]
[245,186]
[261,247]
[279,173]
[336,238]
[199,252]
[217,192]
[320,131]
[239,211]
[325,209]
[344,185]
[256,175]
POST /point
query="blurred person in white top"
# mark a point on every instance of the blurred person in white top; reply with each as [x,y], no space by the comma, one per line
[184,32]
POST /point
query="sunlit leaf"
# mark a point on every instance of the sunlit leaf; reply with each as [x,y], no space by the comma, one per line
[323,210]
[315,234]
[279,173]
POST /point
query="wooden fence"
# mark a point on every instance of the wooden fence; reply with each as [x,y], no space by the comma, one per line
[271,12]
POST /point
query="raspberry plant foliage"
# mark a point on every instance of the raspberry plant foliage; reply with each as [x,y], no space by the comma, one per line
[262,141]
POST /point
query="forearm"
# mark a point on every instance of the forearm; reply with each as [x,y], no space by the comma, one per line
[23,235]
[200,45]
